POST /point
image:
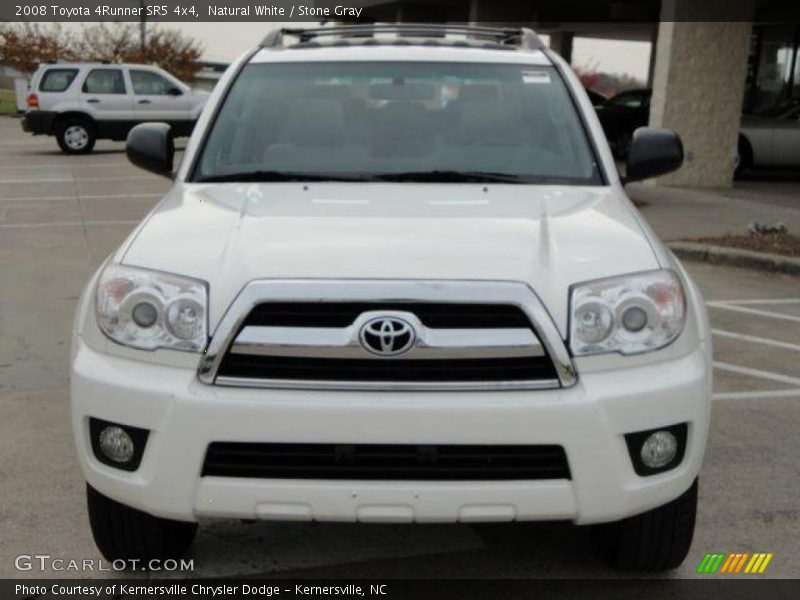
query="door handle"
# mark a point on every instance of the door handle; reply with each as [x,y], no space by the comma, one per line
[93,100]
[144,102]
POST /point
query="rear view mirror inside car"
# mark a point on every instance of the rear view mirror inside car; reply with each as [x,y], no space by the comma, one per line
[402,92]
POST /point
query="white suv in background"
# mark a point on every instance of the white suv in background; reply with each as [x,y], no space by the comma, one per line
[397,279]
[80,103]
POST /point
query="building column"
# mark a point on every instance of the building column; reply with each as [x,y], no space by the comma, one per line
[698,85]
[651,68]
[561,42]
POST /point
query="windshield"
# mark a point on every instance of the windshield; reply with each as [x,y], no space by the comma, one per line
[401,121]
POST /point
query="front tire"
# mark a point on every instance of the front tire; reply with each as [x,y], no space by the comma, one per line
[657,540]
[124,533]
[76,136]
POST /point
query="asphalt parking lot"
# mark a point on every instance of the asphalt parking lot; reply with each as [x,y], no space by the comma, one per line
[61,215]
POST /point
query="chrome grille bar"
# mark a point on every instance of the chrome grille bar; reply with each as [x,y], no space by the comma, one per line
[334,342]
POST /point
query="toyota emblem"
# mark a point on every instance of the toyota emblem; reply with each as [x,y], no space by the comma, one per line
[387,336]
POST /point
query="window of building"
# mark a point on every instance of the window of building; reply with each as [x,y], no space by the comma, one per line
[775,69]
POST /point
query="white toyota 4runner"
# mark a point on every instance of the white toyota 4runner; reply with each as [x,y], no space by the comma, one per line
[397,279]
[79,103]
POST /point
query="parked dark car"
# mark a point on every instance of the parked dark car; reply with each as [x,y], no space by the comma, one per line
[596,98]
[770,139]
[621,115]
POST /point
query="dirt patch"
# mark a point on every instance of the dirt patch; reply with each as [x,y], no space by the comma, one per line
[773,243]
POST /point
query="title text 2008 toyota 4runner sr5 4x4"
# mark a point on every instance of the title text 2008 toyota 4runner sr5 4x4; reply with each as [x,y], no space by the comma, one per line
[397,279]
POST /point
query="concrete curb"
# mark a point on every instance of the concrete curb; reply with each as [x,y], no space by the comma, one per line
[736,257]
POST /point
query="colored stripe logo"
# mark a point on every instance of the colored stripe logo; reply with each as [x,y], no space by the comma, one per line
[735,563]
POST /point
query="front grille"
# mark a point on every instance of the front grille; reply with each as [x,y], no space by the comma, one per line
[325,344]
[342,314]
[387,370]
[386,461]
[387,335]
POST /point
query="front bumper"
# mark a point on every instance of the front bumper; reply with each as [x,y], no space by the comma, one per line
[39,122]
[589,420]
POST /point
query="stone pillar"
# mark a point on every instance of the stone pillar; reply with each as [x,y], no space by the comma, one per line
[561,42]
[651,68]
[698,85]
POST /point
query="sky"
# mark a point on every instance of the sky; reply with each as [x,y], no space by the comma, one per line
[226,41]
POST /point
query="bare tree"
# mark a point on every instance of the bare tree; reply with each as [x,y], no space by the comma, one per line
[23,46]
[171,50]
[106,42]
[119,42]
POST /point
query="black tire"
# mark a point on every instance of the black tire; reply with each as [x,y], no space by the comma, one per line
[124,533]
[657,540]
[744,158]
[76,135]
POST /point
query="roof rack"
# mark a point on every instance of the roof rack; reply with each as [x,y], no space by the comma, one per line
[521,37]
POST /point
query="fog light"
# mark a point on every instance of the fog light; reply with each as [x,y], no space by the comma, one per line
[116,444]
[659,449]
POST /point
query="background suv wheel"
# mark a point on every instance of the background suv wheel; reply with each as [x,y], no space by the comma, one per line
[76,135]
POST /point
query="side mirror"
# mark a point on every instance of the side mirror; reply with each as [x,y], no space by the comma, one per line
[654,151]
[175,91]
[151,147]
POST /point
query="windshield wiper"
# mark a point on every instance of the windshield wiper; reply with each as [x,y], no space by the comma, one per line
[266,176]
[450,177]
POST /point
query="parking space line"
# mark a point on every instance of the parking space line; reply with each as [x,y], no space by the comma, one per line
[63,224]
[757,373]
[756,340]
[62,165]
[792,393]
[77,179]
[753,311]
[82,197]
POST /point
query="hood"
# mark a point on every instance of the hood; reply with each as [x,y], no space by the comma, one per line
[546,236]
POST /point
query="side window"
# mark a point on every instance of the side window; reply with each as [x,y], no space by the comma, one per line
[149,83]
[104,81]
[57,80]
[627,100]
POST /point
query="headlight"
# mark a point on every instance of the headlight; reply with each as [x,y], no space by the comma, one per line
[147,309]
[629,314]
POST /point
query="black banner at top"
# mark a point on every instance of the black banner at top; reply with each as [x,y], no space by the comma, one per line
[542,12]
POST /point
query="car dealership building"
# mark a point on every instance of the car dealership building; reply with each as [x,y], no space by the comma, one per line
[704,73]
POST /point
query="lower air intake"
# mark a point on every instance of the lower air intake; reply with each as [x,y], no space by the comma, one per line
[386,461]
